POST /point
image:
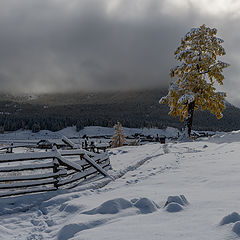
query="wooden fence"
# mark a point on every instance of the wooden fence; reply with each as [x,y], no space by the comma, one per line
[23,173]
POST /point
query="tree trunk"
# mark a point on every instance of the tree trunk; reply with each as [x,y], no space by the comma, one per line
[189,119]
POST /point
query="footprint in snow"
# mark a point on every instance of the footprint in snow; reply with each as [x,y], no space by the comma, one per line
[35,236]
[152,174]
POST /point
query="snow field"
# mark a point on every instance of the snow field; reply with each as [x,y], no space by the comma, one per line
[148,179]
[70,132]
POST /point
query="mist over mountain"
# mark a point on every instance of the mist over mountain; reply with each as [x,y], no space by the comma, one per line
[131,108]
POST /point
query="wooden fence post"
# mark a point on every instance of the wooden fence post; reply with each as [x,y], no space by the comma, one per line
[83,168]
[55,170]
[55,166]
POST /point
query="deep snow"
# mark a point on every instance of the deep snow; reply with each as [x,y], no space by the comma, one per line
[134,206]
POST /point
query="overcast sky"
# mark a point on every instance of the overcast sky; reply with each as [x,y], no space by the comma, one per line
[60,45]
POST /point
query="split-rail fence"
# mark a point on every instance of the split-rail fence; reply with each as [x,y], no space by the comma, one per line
[34,172]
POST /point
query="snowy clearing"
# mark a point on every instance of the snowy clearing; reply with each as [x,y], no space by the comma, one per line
[144,201]
[70,132]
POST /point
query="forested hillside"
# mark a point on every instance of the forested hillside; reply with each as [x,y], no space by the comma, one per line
[132,109]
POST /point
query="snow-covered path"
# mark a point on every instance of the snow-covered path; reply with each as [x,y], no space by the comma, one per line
[206,172]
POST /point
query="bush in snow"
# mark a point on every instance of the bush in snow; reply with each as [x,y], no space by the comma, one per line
[194,85]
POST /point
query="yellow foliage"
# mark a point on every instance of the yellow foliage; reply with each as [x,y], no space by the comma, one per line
[197,74]
[119,137]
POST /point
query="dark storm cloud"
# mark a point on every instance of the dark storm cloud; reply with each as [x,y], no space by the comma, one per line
[60,45]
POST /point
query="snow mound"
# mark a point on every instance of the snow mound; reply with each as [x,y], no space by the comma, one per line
[69,230]
[236,228]
[145,205]
[111,207]
[174,207]
[181,200]
[231,218]
[226,137]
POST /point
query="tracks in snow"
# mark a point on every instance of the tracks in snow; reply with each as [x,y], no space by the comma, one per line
[119,174]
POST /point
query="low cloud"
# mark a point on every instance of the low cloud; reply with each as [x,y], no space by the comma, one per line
[60,45]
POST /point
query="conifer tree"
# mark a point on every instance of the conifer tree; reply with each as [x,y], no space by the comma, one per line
[193,87]
[118,137]
[36,127]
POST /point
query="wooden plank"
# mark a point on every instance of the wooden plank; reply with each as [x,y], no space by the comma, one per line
[103,164]
[18,146]
[81,175]
[27,167]
[28,191]
[72,152]
[79,152]
[77,177]
[15,157]
[27,184]
[70,164]
[100,157]
[33,177]
[78,167]
[85,164]
[97,166]
[70,143]
[107,167]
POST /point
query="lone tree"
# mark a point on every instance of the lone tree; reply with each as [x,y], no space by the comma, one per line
[119,137]
[193,87]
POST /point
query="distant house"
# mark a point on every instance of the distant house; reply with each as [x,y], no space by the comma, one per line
[47,144]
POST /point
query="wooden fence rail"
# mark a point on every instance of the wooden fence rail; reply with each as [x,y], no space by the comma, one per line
[48,171]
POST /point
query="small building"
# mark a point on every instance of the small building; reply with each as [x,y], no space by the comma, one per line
[162,139]
[47,144]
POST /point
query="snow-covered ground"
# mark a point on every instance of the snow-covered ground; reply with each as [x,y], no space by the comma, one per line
[70,132]
[206,172]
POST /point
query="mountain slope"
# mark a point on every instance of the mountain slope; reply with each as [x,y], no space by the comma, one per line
[132,109]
